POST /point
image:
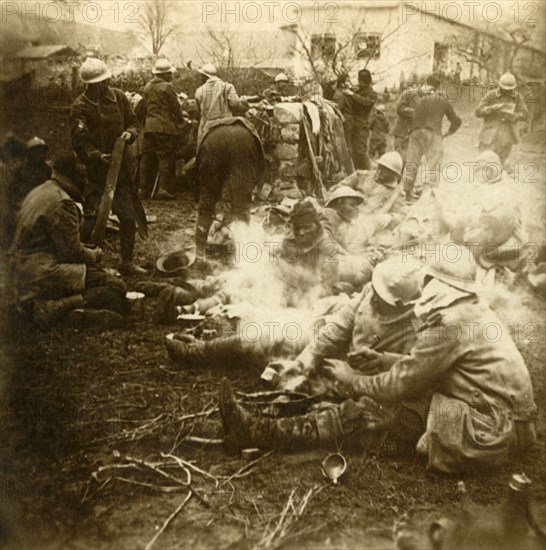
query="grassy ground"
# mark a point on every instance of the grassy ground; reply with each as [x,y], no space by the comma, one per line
[75,401]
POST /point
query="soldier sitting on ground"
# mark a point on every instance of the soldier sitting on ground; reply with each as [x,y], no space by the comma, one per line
[464,400]
[383,208]
[55,275]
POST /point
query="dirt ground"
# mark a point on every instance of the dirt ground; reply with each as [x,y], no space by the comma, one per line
[74,402]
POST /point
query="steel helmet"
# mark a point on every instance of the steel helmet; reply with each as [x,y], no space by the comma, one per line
[459,273]
[208,69]
[342,192]
[393,161]
[163,65]
[398,280]
[507,81]
[281,77]
[94,70]
[173,262]
[36,142]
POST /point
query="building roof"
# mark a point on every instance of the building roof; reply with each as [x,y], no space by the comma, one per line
[471,18]
[16,37]
[43,52]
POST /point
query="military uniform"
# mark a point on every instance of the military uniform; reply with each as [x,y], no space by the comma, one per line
[50,262]
[305,267]
[363,100]
[401,131]
[163,123]
[230,160]
[215,99]
[499,131]
[426,139]
[95,127]
[479,404]
[375,196]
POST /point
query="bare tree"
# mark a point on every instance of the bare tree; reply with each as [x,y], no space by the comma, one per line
[231,50]
[154,21]
[497,50]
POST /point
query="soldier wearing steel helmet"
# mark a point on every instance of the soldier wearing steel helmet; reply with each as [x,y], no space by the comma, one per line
[163,124]
[383,204]
[339,212]
[98,117]
[277,92]
[501,109]
[461,396]
[457,364]
[370,333]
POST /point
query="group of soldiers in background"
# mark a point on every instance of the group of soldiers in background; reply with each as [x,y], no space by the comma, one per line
[229,153]
[386,381]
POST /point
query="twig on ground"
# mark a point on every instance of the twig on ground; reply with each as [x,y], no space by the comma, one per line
[159,488]
[241,471]
[207,412]
[290,515]
[168,520]
[194,440]
[153,467]
[189,465]
[103,484]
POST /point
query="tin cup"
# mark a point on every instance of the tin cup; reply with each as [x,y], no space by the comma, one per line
[136,302]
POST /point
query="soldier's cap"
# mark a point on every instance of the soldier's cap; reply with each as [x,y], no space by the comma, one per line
[304,212]
[398,280]
[36,142]
[343,192]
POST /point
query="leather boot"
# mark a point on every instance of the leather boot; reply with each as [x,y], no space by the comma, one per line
[49,312]
[166,311]
[318,429]
[95,318]
[192,354]
[130,269]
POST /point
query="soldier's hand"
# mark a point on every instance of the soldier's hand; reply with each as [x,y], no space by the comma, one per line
[339,371]
[494,108]
[348,91]
[126,136]
[105,158]
[361,358]
[283,367]
[96,254]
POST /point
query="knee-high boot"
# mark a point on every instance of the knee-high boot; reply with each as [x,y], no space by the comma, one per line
[321,428]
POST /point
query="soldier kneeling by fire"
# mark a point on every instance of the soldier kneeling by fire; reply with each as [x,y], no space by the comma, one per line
[465,402]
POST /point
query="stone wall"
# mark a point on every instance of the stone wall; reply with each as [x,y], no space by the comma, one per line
[287,154]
